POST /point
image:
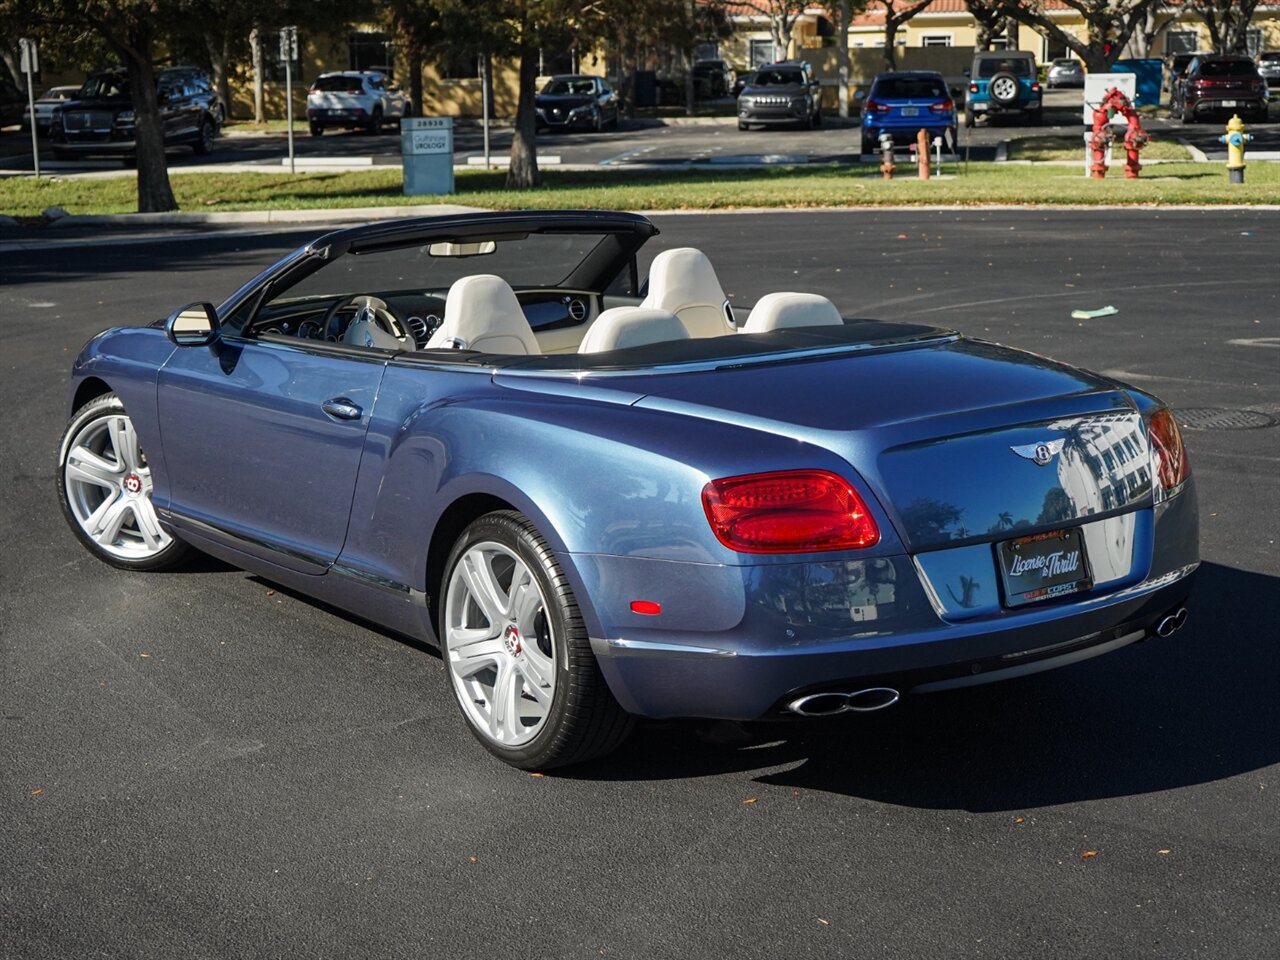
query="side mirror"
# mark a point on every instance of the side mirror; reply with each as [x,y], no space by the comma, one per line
[195,325]
[968,72]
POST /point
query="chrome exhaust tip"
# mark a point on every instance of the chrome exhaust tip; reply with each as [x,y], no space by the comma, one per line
[829,704]
[1170,625]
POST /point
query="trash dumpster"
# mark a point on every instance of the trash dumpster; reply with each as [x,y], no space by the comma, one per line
[1150,73]
[426,147]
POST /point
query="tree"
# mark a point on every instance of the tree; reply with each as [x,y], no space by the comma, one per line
[988,16]
[782,15]
[1109,24]
[1227,22]
[519,29]
[841,12]
[896,13]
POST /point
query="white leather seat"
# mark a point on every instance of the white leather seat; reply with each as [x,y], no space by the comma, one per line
[481,313]
[683,282]
[623,327]
[775,311]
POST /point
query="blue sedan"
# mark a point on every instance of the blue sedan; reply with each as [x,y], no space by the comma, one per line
[901,104]
[605,495]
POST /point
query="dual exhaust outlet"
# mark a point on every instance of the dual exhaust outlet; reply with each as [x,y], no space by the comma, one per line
[830,703]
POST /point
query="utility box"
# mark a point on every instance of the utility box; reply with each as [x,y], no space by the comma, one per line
[426,147]
[1149,73]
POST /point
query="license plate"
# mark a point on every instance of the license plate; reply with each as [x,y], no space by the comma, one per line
[1043,566]
[1228,103]
[911,111]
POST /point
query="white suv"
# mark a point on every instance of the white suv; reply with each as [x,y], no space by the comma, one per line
[350,99]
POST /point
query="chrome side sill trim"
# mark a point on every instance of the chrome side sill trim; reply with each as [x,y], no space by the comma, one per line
[652,648]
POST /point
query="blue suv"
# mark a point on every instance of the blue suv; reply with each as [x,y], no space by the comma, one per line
[1004,82]
[901,104]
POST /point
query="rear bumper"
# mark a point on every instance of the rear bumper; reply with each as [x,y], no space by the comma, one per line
[990,106]
[755,638]
[1206,106]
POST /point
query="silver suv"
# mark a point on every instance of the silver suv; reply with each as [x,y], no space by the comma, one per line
[354,99]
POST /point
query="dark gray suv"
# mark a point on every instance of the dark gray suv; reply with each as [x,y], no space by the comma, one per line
[786,92]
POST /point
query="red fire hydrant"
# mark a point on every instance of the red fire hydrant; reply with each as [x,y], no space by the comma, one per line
[1135,138]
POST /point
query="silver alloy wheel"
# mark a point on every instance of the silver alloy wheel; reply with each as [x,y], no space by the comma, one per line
[1004,89]
[499,644]
[108,487]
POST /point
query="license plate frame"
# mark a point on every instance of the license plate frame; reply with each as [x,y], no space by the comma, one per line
[911,111]
[1043,566]
[1230,103]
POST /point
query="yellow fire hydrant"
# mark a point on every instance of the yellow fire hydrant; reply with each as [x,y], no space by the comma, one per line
[1235,138]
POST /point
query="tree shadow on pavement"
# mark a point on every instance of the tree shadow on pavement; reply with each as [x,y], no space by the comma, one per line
[1197,707]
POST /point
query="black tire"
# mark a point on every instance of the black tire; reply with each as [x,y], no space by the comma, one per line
[969,118]
[817,118]
[1185,116]
[597,121]
[86,421]
[375,121]
[743,126]
[1037,117]
[316,130]
[869,146]
[204,140]
[583,720]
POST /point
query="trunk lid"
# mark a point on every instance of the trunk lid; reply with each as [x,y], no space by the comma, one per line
[960,440]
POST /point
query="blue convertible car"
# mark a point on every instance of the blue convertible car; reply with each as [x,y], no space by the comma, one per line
[605,495]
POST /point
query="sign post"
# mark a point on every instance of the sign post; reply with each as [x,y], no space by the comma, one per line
[30,66]
[289,53]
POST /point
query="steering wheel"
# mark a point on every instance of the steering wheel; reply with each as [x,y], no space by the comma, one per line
[333,328]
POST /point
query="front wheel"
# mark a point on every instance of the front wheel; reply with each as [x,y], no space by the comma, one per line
[519,661]
[104,487]
[204,141]
[375,121]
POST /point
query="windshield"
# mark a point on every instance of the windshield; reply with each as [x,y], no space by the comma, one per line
[777,78]
[338,84]
[1228,68]
[1019,67]
[909,88]
[106,85]
[560,88]
[538,260]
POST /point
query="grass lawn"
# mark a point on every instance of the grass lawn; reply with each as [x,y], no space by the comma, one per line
[800,186]
[1072,148]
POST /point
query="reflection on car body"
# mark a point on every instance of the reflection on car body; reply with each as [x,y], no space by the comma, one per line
[604,498]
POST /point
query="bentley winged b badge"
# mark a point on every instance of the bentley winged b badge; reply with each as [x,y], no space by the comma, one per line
[1040,453]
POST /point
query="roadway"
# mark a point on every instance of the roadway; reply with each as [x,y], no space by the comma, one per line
[203,764]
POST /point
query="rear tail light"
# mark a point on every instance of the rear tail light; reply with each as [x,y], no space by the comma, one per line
[1035,88]
[973,88]
[788,511]
[946,106]
[1168,455]
[314,89]
[876,107]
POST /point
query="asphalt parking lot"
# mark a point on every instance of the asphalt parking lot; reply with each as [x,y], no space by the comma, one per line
[637,143]
[202,764]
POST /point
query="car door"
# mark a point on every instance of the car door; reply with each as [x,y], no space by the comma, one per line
[262,442]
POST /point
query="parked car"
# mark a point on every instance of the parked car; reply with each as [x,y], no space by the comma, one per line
[671,507]
[785,92]
[354,99]
[1217,86]
[902,104]
[1176,69]
[45,105]
[712,79]
[99,120]
[573,101]
[1065,72]
[1269,68]
[1003,83]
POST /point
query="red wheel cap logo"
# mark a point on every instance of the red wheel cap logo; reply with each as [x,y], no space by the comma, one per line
[511,637]
[133,483]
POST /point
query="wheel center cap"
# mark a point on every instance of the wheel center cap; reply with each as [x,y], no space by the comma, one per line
[511,638]
[133,484]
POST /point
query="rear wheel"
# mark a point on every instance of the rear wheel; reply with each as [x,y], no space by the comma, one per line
[519,661]
[204,142]
[869,145]
[104,488]
[969,118]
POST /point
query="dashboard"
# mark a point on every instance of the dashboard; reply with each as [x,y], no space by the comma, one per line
[420,312]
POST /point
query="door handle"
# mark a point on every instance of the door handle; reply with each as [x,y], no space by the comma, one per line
[342,408]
